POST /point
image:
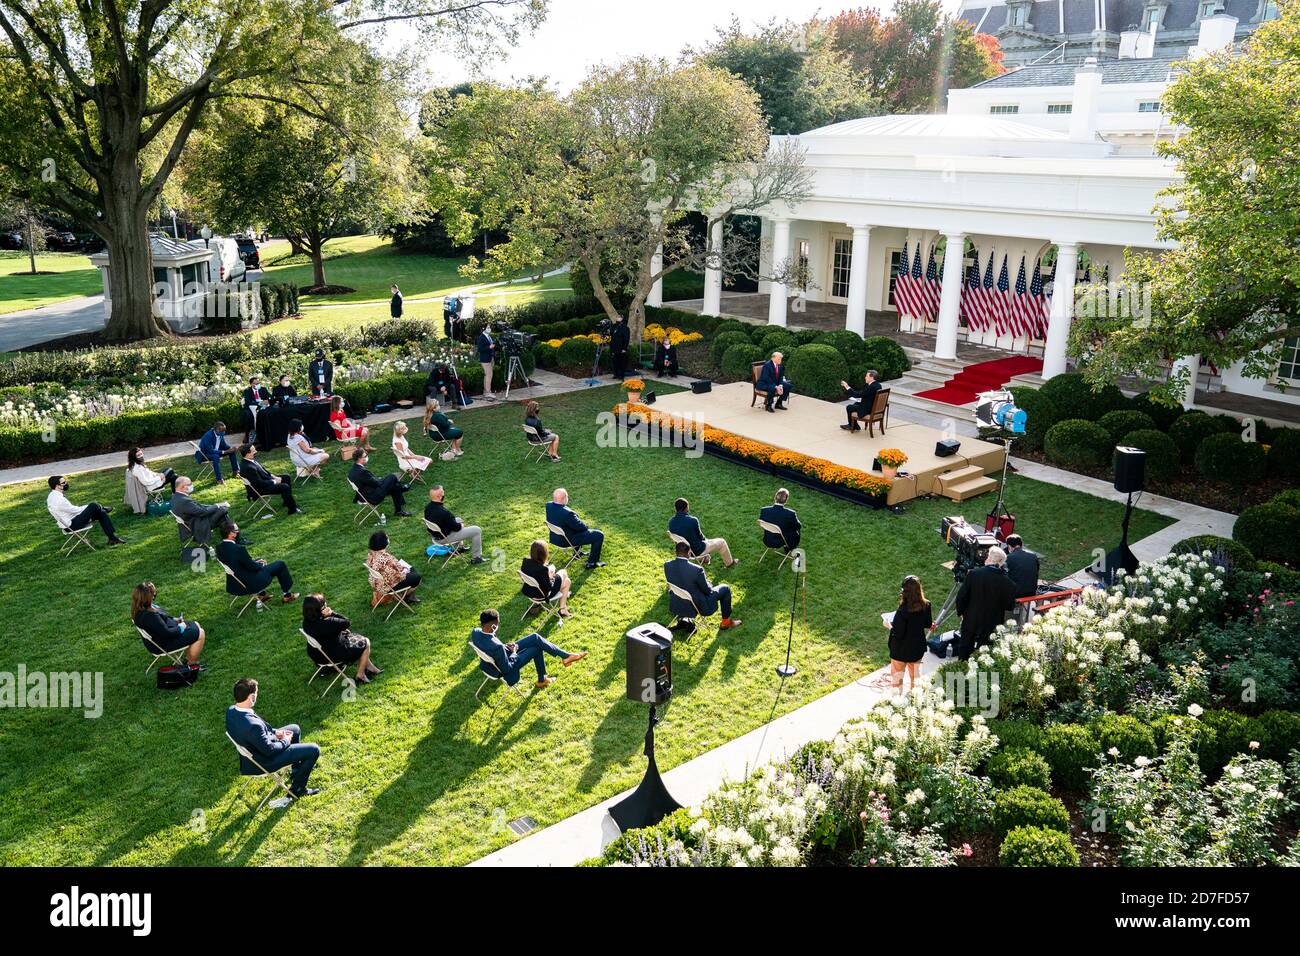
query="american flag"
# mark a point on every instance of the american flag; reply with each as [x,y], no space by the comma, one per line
[1039,303]
[1002,311]
[902,278]
[920,301]
[1022,307]
[987,295]
[933,287]
[970,295]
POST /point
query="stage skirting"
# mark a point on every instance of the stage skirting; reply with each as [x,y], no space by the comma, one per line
[812,427]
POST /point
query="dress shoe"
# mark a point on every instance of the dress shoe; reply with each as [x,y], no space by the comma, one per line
[574,658]
[729,624]
[305,792]
[403,513]
[478,560]
[413,599]
[592,565]
[289,598]
[116,540]
[545,682]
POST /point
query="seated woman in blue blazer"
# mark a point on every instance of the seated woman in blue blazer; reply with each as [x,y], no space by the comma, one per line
[167,632]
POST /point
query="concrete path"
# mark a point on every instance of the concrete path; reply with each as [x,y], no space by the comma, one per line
[33,326]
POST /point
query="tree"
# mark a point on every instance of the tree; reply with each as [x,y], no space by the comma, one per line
[23,217]
[607,174]
[803,81]
[913,57]
[1230,290]
[308,179]
[98,98]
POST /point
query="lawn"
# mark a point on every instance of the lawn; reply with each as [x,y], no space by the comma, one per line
[74,276]
[414,770]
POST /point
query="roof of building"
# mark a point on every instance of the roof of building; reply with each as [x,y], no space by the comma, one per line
[937,125]
[1085,16]
[1062,74]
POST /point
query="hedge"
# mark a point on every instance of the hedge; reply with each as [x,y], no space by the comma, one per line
[1161,413]
[1229,554]
[1074,397]
[1284,455]
[1071,750]
[1268,531]
[725,340]
[1028,807]
[576,353]
[1130,736]
[849,344]
[886,356]
[1225,457]
[1077,443]
[1122,421]
[1189,430]
[1036,846]
[777,340]
[1041,414]
[1163,461]
[737,361]
[817,370]
[1017,767]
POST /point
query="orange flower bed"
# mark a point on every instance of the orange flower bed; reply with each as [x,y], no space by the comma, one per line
[825,471]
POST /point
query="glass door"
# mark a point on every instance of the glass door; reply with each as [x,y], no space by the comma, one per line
[841,265]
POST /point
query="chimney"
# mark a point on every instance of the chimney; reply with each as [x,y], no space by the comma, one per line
[1146,42]
[1217,33]
[1083,108]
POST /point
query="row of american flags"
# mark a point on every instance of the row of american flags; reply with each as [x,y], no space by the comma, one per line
[987,301]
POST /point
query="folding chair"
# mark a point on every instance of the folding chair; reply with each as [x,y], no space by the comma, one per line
[158,653]
[413,474]
[305,472]
[279,776]
[457,550]
[154,495]
[383,591]
[575,550]
[365,510]
[536,443]
[332,665]
[258,504]
[202,461]
[693,558]
[492,673]
[251,597]
[440,444]
[685,595]
[73,538]
[549,606]
[774,529]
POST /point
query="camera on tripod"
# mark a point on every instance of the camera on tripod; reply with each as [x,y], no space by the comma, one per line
[971,544]
[605,326]
[513,342]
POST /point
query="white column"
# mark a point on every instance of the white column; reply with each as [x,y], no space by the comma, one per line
[855,317]
[656,297]
[712,276]
[1193,364]
[1058,321]
[954,254]
[779,292]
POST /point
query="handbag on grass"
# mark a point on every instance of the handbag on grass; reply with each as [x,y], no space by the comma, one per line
[178,676]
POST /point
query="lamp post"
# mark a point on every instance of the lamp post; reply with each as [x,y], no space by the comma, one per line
[206,233]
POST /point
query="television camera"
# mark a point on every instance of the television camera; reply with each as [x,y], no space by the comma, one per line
[972,547]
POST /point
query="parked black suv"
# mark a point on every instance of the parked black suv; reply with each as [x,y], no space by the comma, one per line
[248,252]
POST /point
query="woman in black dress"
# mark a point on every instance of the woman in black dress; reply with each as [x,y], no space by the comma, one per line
[533,419]
[166,633]
[550,581]
[912,622]
[333,632]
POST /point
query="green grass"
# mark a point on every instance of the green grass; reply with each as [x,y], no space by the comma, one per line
[415,771]
[74,277]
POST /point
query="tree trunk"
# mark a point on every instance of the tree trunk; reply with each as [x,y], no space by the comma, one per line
[31,244]
[130,270]
[317,267]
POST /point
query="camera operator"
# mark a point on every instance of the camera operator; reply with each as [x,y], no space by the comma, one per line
[619,339]
[983,601]
[1022,567]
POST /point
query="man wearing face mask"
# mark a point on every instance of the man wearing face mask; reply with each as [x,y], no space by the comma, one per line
[272,748]
[76,517]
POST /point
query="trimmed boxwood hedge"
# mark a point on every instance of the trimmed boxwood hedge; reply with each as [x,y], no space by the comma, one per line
[1225,457]
[1019,767]
[886,356]
[737,361]
[1070,749]
[1189,430]
[575,353]
[849,344]
[1162,414]
[1284,455]
[817,370]
[1163,461]
[725,340]
[1037,846]
[777,340]
[1028,807]
[1232,555]
[1074,397]
[1077,443]
[1041,414]
[1122,421]
[1268,531]
[1130,736]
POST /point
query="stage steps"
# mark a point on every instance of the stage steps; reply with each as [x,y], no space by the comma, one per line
[963,483]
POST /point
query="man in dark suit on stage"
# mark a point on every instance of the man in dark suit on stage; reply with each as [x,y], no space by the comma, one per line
[690,577]
[983,601]
[619,340]
[375,490]
[865,398]
[772,382]
[1022,567]
[575,530]
[250,575]
[264,483]
[320,375]
[784,518]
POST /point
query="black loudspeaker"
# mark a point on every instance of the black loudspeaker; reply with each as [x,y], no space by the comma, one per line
[649,664]
[946,447]
[702,386]
[1130,469]
[649,398]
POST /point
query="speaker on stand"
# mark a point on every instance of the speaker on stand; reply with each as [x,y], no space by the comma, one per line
[1130,478]
[649,681]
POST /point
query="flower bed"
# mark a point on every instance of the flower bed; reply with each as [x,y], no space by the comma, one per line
[817,472]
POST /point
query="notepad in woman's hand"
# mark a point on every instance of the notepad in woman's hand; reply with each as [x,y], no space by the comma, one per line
[888,618]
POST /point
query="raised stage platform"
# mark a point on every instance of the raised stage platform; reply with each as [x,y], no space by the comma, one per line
[812,427]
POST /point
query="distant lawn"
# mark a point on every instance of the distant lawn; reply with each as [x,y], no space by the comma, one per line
[75,277]
[414,770]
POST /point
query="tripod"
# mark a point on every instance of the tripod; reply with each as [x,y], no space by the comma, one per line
[595,368]
[650,802]
[512,367]
[998,515]
[949,603]
[800,568]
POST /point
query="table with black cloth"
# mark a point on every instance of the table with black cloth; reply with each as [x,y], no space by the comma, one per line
[273,423]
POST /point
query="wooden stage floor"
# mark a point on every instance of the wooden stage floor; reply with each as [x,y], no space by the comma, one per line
[812,427]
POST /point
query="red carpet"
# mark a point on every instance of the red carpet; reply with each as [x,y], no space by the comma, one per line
[965,386]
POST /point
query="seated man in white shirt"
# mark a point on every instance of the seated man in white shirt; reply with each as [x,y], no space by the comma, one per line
[76,517]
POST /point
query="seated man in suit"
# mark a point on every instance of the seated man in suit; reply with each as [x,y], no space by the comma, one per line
[511,658]
[865,398]
[1022,567]
[680,571]
[199,519]
[562,516]
[772,382]
[375,490]
[212,446]
[272,748]
[264,483]
[454,531]
[686,525]
[256,396]
[251,576]
[320,374]
[983,601]
[784,518]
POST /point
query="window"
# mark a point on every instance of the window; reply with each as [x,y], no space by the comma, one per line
[1288,369]
[895,257]
[841,259]
[1149,106]
[1208,8]
[192,273]
[1058,107]
[803,252]
[1016,16]
[1267,10]
[1003,109]
[1152,16]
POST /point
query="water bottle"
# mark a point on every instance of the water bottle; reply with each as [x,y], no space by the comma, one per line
[383,519]
[261,606]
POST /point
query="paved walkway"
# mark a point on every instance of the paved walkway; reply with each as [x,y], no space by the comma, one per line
[33,326]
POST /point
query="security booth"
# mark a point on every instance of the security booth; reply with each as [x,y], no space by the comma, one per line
[182,278]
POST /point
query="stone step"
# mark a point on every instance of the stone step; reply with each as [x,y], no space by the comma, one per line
[963,490]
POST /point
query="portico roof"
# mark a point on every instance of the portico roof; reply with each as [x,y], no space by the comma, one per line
[946,134]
